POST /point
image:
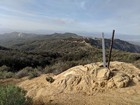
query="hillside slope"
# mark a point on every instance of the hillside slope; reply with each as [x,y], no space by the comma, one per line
[3,48]
[56,40]
[59,54]
[32,42]
[118,44]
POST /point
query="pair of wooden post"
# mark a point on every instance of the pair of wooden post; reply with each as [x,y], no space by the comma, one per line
[110,51]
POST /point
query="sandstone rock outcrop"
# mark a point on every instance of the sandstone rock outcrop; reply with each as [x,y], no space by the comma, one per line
[88,79]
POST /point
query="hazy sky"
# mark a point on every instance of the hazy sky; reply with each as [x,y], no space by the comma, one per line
[71,15]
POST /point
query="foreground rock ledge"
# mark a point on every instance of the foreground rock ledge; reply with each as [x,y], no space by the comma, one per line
[87,79]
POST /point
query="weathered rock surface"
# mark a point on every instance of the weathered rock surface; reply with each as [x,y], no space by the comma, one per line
[121,80]
[88,79]
[103,73]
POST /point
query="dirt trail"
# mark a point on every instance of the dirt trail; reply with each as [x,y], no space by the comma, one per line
[88,84]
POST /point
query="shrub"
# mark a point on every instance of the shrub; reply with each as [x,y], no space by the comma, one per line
[34,73]
[24,72]
[12,95]
[137,63]
[1,75]
[21,74]
[47,69]
[5,74]
[4,68]
[59,67]
[8,75]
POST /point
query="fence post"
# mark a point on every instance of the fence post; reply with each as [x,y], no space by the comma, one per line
[103,50]
[110,51]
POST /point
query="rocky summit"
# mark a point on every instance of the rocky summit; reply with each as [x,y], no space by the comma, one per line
[87,79]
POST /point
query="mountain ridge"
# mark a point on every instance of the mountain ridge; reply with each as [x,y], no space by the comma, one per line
[32,41]
[118,44]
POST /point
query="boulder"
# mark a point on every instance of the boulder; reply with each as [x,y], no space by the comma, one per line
[136,78]
[121,80]
[111,83]
[103,73]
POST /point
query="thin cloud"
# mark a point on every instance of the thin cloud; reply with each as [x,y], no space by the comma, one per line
[71,15]
[83,4]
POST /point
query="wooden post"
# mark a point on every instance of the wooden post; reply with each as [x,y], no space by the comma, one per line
[111,45]
[103,50]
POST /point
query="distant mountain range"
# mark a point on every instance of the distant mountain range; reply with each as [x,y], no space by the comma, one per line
[135,42]
[3,48]
[33,42]
[118,44]
[15,35]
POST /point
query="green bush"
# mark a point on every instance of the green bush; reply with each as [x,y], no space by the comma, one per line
[12,95]
[58,67]
[9,75]
[5,74]
[21,74]
[24,72]
[30,72]
[4,68]
[47,69]
[34,73]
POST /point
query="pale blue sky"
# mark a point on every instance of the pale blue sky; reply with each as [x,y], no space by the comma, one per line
[86,16]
